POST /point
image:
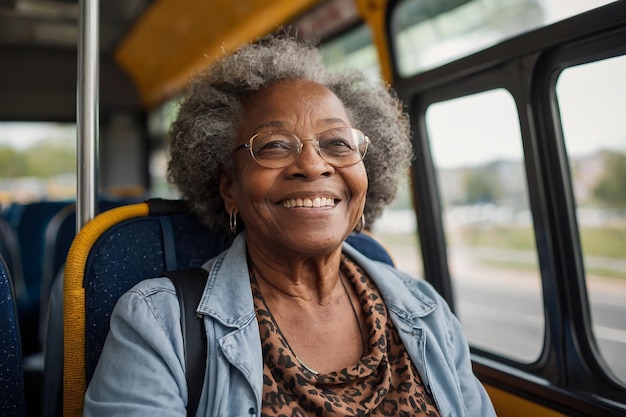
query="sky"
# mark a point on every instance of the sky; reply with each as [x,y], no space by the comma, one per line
[24,135]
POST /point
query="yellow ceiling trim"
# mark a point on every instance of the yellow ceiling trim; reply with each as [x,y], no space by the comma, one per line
[373,11]
[175,39]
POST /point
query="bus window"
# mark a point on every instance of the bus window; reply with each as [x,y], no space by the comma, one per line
[37,162]
[159,122]
[477,153]
[433,32]
[592,103]
[397,229]
[353,49]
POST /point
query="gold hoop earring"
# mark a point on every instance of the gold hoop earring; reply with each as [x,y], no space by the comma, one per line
[233,221]
[360,225]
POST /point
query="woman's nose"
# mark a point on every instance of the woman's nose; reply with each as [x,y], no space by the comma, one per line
[310,162]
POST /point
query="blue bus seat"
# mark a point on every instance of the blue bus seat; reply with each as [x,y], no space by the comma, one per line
[29,222]
[114,252]
[369,246]
[12,401]
[8,249]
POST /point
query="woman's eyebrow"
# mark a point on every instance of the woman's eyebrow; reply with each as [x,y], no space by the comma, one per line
[281,125]
[334,120]
[270,124]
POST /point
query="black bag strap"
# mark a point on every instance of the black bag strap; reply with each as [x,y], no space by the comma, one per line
[189,285]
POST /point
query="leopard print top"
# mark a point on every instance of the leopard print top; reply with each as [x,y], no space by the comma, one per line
[383,383]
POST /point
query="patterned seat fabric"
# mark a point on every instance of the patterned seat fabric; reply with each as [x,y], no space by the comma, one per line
[11,375]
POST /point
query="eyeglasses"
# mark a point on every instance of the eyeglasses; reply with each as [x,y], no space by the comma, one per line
[340,147]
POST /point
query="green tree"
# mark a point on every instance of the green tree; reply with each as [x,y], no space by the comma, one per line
[12,163]
[611,187]
[481,186]
[50,159]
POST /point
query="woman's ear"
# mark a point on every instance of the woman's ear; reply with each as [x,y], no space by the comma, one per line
[227,191]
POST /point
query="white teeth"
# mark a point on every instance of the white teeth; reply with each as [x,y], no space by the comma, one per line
[307,202]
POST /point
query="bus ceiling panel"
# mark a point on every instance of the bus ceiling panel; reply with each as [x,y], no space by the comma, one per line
[171,41]
[39,84]
[28,106]
[326,20]
[54,23]
[38,55]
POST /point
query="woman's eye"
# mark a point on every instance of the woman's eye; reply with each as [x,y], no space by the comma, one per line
[275,144]
[337,145]
[273,147]
[339,142]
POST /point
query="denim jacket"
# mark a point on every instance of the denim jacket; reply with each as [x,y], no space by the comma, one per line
[142,372]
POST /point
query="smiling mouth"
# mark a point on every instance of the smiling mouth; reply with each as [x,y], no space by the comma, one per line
[309,202]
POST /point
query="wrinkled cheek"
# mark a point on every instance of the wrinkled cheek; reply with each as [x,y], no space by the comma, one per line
[262,213]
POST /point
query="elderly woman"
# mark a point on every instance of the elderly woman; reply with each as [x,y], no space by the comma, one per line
[291,159]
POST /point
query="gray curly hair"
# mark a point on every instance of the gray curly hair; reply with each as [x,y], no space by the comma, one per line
[211,113]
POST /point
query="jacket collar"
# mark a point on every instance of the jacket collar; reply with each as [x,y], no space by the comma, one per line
[227,295]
